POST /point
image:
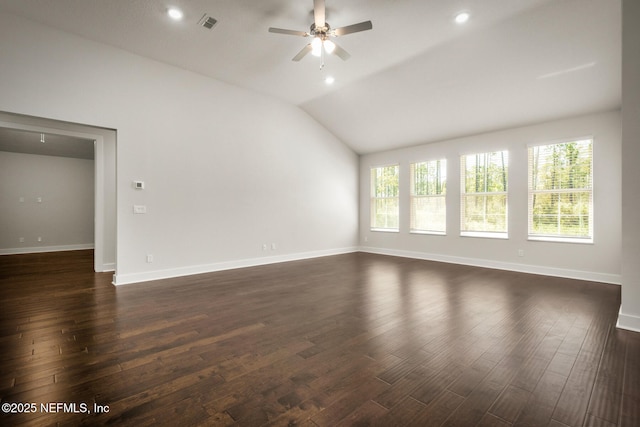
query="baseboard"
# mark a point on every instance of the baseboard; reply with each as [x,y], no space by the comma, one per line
[39,249]
[500,265]
[125,279]
[107,267]
[628,321]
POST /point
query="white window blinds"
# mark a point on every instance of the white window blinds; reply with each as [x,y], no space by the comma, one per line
[385,198]
[428,197]
[483,204]
[561,191]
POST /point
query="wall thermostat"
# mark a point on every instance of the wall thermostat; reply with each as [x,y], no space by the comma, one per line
[138,185]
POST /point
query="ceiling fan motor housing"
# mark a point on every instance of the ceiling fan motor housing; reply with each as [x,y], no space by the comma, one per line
[322,31]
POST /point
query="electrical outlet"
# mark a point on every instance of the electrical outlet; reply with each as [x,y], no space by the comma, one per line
[273,246]
[21,239]
[39,239]
[139,209]
[149,258]
[520,252]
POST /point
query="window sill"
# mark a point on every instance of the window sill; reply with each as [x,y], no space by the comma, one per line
[583,241]
[484,234]
[385,230]
[430,233]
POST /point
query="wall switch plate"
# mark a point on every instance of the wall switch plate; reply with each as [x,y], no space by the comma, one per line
[139,209]
[39,200]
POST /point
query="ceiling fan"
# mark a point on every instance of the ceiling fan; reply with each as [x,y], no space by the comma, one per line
[322,33]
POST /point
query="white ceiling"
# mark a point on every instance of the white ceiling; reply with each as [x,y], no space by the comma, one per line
[417,77]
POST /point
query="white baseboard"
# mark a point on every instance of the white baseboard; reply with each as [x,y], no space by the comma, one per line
[110,266]
[124,279]
[629,322]
[39,249]
[500,265]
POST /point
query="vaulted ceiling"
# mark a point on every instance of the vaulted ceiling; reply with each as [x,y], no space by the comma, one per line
[416,77]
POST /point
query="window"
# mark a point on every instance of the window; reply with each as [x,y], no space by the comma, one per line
[427,197]
[384,198]
[483,191]
[560,191]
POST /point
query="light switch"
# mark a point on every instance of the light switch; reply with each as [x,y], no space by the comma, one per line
[139,209]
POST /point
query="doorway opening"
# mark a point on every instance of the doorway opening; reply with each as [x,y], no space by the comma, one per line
[69,140]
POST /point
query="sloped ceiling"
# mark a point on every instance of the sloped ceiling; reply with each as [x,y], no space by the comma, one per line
[417,77]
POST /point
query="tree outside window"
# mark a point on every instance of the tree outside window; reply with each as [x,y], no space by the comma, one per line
[484,194]
[428,197]
[560,191]
[385,198]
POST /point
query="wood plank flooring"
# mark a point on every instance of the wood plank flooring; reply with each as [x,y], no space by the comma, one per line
[349,340]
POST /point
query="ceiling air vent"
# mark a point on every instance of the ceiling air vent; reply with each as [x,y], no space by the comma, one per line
[207,22]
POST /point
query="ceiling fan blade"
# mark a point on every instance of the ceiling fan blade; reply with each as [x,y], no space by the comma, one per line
[343,54]
[362,26]
[288,32]
[302,53]
[318,13]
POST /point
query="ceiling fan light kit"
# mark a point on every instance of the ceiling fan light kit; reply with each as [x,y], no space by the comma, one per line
[322,33]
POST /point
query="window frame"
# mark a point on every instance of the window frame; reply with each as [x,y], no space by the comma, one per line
[463,197]
[413,196]
[530,192]
[374,198]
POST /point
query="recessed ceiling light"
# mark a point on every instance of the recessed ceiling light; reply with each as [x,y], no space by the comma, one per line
[462,17]
[329,80]
[175,13]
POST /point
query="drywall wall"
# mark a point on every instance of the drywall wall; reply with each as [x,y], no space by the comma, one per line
[226,170]
[46,203]
[598,261]
[630,309]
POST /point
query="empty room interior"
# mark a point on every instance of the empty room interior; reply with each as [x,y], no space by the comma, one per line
[320,213]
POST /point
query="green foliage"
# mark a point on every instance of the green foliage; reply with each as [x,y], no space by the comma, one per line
[485,173]
[429,178]
[561,180]
[428,189]
[485,213]
[385,181]
[384,197]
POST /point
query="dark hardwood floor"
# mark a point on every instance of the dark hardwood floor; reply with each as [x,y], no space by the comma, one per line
[355,339]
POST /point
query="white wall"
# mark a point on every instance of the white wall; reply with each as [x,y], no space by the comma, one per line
[598,261]
[630,309]
[226,170]
[64,217]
